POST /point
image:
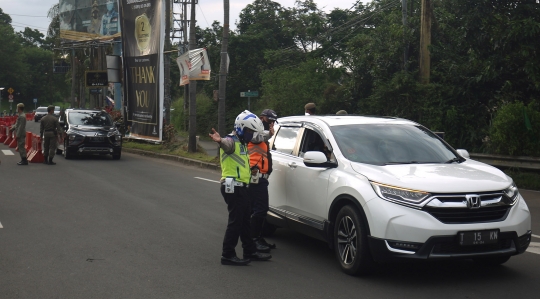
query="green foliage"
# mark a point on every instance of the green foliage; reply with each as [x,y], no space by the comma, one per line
[510,133]
[206,114]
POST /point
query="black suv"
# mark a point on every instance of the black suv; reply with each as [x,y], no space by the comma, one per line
[90,131]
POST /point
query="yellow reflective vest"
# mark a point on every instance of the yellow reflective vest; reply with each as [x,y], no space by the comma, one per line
[236,165]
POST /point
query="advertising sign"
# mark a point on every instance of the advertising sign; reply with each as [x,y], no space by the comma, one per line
[143,41]
[194,65]
[84,20]
[96,79]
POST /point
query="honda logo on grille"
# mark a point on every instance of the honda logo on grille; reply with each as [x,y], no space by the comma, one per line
[473,201]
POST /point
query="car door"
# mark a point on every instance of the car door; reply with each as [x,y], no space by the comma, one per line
[283,148]
[308,197]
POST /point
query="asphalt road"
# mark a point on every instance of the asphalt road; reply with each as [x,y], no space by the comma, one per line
[149,228]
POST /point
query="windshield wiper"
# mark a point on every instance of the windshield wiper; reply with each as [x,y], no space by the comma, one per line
[397,163]
[456,159]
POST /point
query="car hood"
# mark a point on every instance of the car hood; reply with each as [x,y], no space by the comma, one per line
[93,131]
[469,176]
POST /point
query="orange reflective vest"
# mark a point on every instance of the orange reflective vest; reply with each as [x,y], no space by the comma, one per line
[258,156]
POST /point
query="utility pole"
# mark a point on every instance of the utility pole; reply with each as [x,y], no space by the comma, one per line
[73,77]
[185,49]
[406,44]
[425,41]
[223,70]
[167,64]
[192,142]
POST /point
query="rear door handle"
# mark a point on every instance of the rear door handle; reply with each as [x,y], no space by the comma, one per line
[292,165]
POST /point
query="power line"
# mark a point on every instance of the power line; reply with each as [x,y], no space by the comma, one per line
[28,25]
[200,8]
[25,15]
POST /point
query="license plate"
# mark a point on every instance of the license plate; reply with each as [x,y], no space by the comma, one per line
[97,139]
[481,237]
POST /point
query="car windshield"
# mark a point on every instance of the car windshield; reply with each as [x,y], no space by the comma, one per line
[387,144]
[56,108]
[90,118]
[41,109]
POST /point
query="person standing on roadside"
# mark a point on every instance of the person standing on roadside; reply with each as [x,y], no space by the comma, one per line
[310,109]
[20,132]
[260,161]
[235,176]
[49,131]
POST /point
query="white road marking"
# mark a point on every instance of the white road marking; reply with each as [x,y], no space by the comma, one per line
[534,247]
[8,153]
[208,180]
[535,236]
[1,225]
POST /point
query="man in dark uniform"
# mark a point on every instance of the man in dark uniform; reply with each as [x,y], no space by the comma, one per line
[235,176]
[20,132]
[49,131]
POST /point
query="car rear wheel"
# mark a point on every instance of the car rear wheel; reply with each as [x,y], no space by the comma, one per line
[350,242]
[492,261]
[65,152]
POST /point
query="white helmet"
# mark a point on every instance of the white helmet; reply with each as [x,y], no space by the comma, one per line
[249,120]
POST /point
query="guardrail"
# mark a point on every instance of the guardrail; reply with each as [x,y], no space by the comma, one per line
[531,163]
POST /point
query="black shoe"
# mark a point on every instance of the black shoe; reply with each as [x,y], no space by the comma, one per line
[51,162]
[257,256]
[234,261]
[46,161]
[263,242]
[261,247]
[23,162]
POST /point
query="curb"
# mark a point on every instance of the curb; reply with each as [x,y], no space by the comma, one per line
[182,160]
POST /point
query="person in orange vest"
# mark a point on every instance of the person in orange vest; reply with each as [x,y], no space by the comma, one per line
[260,162]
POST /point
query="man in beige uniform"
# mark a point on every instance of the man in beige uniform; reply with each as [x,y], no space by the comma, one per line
[20,132]
[49,130]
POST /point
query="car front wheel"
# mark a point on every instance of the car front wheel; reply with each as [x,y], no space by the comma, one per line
[350,242]
[65,152]
[117,156]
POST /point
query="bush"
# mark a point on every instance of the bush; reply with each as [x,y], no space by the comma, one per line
[510,134]
[206,115]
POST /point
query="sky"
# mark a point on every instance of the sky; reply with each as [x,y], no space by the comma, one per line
[33,13]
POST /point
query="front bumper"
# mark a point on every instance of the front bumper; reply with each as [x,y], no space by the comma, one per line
[447,247]
[90,149]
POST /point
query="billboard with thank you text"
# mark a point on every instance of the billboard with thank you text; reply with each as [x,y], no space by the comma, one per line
[143,35]
[84,20]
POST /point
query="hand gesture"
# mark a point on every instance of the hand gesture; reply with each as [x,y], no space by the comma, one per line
[215,136]
[271,129]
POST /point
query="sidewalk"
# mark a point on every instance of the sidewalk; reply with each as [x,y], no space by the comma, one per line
[210,147]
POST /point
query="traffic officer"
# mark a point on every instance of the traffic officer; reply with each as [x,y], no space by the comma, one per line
[260,162]
[49,131]
[20,132]
[235,176]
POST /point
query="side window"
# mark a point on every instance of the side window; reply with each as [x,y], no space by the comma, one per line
[312,141]
[285,140]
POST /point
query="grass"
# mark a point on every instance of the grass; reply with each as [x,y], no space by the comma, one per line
[178,148]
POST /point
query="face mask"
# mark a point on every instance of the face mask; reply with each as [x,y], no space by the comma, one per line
[110,6]
[248,136]
[266,125]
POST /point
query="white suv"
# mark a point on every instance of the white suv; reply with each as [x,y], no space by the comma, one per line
[380,189]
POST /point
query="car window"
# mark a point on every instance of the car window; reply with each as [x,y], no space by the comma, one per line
[285,140]
[41,109]
[89,118]
[384,144]
[312,141]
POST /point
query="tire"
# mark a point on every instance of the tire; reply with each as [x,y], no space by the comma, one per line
[491,261]
[117,157]
[268,229]
[65,152]
[350,242]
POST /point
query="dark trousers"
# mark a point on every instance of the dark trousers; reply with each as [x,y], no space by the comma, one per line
[239,209]
[258,194]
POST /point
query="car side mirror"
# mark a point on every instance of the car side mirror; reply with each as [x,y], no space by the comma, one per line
[317,159]
[464,153]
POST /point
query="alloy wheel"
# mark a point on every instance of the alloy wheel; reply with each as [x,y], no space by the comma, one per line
[347,240]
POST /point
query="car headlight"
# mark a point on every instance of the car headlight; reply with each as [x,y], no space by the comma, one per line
[511,192]
[400,195]
[117,137]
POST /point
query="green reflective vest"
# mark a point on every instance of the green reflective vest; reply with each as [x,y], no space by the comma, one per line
[236,165]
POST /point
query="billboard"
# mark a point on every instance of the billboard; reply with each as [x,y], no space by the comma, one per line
[84,20]
[143,42]
[194,65]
